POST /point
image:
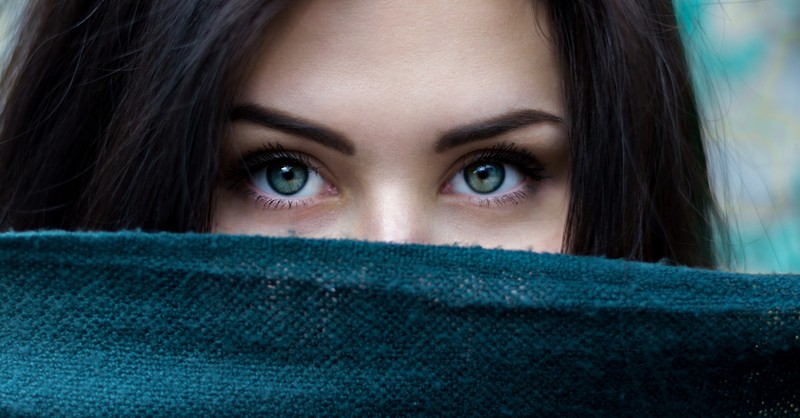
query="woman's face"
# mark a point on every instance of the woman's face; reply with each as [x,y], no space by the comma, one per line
[435,123]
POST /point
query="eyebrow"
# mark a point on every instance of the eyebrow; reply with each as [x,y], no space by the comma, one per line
[280,121]
[476,131]
[492,127]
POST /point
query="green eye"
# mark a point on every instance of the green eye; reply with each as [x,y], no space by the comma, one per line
[287,177]
[483,177]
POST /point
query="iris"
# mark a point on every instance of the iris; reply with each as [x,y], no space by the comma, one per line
[287,177]
[483,177]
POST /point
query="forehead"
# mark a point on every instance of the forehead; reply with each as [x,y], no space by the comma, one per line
[352,63]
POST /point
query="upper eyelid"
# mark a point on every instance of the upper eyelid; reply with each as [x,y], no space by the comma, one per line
[242,168]
[507,153]
[276,152]
[304,160]
[247,162]
[505,150]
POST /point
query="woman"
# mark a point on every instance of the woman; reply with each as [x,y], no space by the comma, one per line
[554,126]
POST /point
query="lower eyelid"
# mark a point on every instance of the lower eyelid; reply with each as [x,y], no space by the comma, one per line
[267,202]
[512,198]
[279,204]
[516,196]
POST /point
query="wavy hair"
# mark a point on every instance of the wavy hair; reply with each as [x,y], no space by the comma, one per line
[113,115]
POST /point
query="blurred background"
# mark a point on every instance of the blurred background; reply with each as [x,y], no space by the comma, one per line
[746,56]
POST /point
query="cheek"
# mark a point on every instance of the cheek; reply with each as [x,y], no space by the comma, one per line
[236,214]
[537,224]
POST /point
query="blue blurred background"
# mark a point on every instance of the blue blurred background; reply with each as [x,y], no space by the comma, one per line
[746,56]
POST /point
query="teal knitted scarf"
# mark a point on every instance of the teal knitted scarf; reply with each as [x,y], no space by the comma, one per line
[120,324]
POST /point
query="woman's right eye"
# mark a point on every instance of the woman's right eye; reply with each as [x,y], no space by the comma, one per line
[287,178]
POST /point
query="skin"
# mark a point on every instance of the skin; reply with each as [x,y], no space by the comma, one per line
[391,79]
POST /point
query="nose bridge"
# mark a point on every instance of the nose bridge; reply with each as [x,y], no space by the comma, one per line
[393,213]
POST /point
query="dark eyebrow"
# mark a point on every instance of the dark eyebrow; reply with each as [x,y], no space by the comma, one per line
[493,127]
[292,125]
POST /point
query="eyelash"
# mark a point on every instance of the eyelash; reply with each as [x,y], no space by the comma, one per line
[519,158]
[240,173]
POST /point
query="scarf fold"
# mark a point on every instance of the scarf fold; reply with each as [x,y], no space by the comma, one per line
[130,323]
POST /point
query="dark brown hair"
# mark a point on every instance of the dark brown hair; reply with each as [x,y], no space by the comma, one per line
[113,115]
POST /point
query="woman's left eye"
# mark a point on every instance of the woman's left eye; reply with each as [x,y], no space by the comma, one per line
[487,178]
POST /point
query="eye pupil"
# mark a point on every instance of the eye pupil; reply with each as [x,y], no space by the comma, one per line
[287,173]
[484,177]
[288,177]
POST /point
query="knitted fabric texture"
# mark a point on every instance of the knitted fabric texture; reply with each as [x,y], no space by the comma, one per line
[133,324]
